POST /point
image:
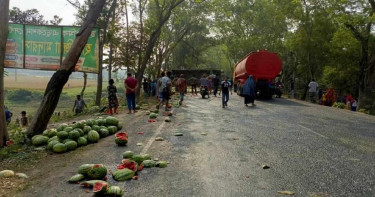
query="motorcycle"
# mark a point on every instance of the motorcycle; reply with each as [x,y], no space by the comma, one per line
[204,92]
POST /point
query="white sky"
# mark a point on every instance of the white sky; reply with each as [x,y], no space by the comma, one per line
[48,8]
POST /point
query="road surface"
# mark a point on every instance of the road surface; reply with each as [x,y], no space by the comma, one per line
[311,150]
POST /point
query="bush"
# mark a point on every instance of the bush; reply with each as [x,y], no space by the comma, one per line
[339,105]
[23,95]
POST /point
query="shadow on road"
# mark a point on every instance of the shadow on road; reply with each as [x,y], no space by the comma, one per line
[281,101]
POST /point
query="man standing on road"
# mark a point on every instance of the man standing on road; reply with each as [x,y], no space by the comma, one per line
[166,85]
[225,87]
[131,85]
[216,82]
[313,86]
[193,83]
[181,88]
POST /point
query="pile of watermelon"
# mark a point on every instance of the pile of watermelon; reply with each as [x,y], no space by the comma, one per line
[132,164]
[95,176]
[68,137]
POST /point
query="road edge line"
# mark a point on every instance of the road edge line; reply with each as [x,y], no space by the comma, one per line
[149,143]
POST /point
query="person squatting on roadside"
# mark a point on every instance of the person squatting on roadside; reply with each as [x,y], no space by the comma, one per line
[313,86]
[79,104]
[225,88]
[112,97]
[131,84]
[8,115]
[249,91]
[181,88]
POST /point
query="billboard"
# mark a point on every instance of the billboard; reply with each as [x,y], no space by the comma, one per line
[45,47]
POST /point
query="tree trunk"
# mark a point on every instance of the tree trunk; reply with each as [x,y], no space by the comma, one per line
[127,56]
[84,84]
[4,18]
[99,87]
[102,41]
[367,93]
[61,76]
[110,61]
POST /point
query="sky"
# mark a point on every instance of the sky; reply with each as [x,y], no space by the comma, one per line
[48,8]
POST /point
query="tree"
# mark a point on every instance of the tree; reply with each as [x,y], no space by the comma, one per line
[163,11]
[61,76]
[31,16]
[4,18]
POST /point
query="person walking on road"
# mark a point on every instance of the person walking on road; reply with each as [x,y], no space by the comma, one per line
[193,82]
[216,83]
[112,97]
[166,85]
[313,86]
[225,88]
[159,90]
[181,88]
[249,91]
[131,84]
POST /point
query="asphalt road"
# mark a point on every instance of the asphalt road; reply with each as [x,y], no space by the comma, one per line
[311,150]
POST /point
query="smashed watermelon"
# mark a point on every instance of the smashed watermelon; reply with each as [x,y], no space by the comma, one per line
[128,164]
[98,171]
[121,138]
[100,187]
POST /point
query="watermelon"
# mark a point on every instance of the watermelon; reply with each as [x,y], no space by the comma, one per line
[91,183]
[115,191]
[94,122]
[68,129]
[103,132]
[138,158]
[128,154]
[101,122]
[100,188]
[84,168]
[121,139]
[89,122]
[74,135]
[50,133]
[149,163]
[82,141]
[129,164]
[112,130]
[62,135]
[71,145]
[86,129]
[39,140]
[146,157]
[153,116]
[161,164]
[119,126]
[67,140]
[98,171]
[54,138]
[124,174]
[51,144]
[96,128]
[80,131]
[111,121]
[140,167]
[76,178]
[62,126]
[155,111]
[59,148]
[93,136]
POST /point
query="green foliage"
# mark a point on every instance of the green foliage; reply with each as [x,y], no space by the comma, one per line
[339,105]
[23,95]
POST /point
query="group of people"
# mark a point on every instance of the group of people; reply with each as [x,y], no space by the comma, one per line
[23,121]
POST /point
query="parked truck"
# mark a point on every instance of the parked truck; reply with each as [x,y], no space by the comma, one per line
[265,66]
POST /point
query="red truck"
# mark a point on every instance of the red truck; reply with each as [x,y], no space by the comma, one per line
[264,66]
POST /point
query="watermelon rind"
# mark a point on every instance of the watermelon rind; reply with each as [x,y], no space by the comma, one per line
[128,154]
[97,171]
[84,168]
[76,178]
[115,191]
[124,174]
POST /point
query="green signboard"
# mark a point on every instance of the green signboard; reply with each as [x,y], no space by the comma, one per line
[45,47]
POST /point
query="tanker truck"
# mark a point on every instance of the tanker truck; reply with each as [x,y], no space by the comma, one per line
[264,66]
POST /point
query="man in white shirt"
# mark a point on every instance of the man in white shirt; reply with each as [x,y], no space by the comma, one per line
[313,86]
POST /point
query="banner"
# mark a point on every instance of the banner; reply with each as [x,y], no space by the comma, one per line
[45,47]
